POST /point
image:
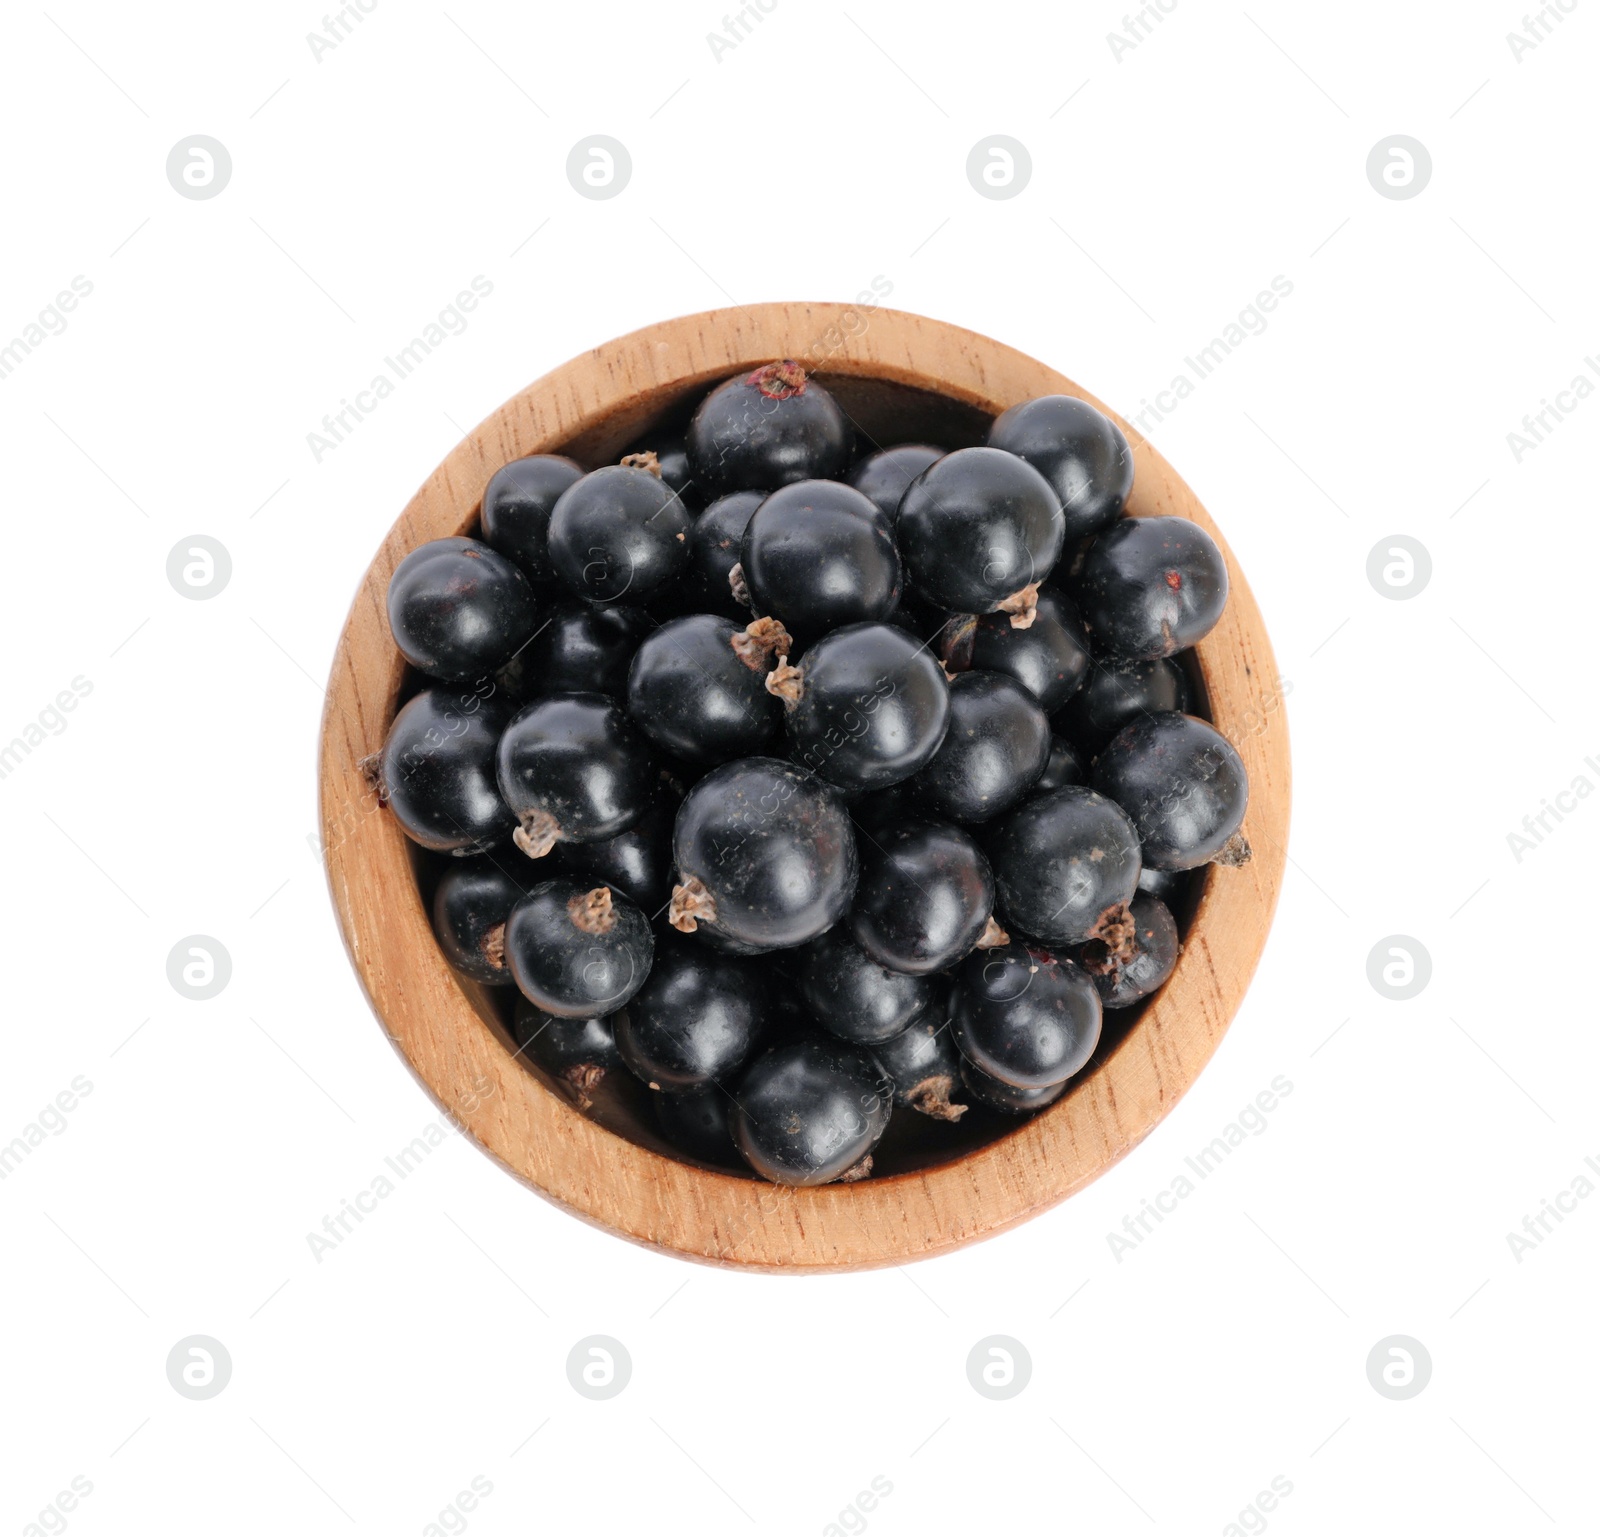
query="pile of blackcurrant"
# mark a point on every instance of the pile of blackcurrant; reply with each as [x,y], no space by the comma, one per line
[811,781]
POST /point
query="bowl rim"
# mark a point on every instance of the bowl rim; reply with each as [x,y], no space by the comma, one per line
[597,1174]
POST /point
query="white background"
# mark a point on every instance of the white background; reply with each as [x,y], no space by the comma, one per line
[1168,1387]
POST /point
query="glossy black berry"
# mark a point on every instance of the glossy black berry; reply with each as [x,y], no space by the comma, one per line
[1064,767]
[458,609]
[883,476]
[925,896]
[517,504]
[577,1053]
[1066,863]
[766,856]
[437,771]
[1116,693]
[1004,1097]
[697,1020]
[671,453]
[1024,1016]
[698,688]
[993,753]
[637,861]
[581,648]
[977,530]
[471,903]
[1133,971]
[619,535]
[1184,786]
[765,429]
[924,1065]
[696,1122]
[854,996]
[1170,885]
[1050,658]
[811,1110]
[818,555]
[716,546]
[1080,451]
[866,707]
[1150,587]
[578,952]
[573,768]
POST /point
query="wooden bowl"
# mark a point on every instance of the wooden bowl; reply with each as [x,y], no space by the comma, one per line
[900,377]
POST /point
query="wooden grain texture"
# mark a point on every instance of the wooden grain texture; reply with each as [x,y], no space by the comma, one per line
[593,406]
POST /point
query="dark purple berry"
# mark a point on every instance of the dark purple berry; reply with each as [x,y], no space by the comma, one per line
[866,707]
[851,994]
[696,1122]
[471,903]
[517,504]
[882,477]
[1150,587]
[1025,1017]
[672,460]
[698,687]
[1124,976]
[1170,885]
[1008,1100]
[978,531]
[575,952]
[1116,693]
[818,555]
[619,535]
[993,753]
[1081,452]
[458,609]
[437,771]
[1184,786]
[768,428]
[811,1110]
[923,1064]
[716,547]
[766,856]
[637,861]
[1065,767]
[583,649]
[1066,863]
[696,1021]
[925,896]
[573,768]
[577,1053]
[1050,658]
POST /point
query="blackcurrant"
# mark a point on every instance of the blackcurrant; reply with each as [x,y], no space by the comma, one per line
[854,996]
[766,429]
[1115,693]
[696,1122]
[458,609]
[1005,1097]
[993,753]
[696,1021]
[1170,885]
[766,856]
[1024,1016]
[811,1110]
[1150,587]
[698,687]
[1123,978]
[883,476]
[582,648]
[437,771]
[471,903]
[573,767]
[1050,658]
[637,861]
[575,1052]
[1081,452]
[1184,786]
[925,897]
[577,952]
[619,534]
[1065,766]
[1066,863]
[818,555]
[671,454]
[517,504]
[924,1065]
[866,707]
[979,530]
[716,547]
